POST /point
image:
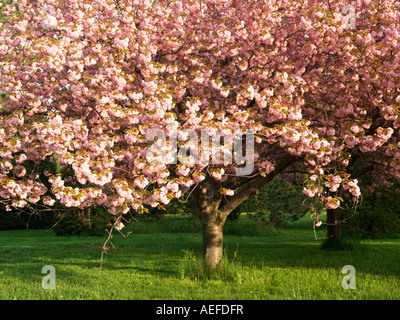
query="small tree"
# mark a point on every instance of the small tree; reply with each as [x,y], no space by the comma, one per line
[379,212]
[277,203]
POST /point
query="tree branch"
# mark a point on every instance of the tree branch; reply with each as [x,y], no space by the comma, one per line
[254,186]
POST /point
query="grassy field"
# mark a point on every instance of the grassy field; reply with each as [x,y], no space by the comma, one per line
[163,261]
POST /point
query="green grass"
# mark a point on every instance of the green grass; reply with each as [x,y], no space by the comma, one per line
[157,262]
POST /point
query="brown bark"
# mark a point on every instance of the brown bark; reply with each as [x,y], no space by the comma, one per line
[212,242]
[215,208]
[333,230]
[213,224]
[253,186]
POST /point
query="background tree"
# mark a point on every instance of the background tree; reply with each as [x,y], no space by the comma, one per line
[90,80]
[277,203]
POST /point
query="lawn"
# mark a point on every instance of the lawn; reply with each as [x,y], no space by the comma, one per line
[163,261]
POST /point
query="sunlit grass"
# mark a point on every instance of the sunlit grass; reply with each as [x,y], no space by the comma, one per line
[283,264]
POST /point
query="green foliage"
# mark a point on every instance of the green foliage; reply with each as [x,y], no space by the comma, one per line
[174,207]
[245,225]
[184,208]
[90,222]
[170,223]
[248,225]
[377,217]
[14,220]
[277,203]
[11,220]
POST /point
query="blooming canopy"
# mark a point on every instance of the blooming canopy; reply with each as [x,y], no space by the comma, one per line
[86,81]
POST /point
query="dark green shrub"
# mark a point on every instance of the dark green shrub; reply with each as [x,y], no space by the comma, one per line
[158,213]
[277,203]
[91,222]
[15,219]
[235,214]
[377,217]
[11,220]
[39,220]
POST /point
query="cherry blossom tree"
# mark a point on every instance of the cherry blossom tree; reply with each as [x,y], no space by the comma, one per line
[312,88]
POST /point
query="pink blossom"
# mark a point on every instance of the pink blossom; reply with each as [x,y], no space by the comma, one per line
[48,201]
[306,96]
[229,192]
[332,203]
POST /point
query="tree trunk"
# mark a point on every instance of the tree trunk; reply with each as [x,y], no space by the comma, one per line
[215,207]
[333,232]
[212,242]
[213,224]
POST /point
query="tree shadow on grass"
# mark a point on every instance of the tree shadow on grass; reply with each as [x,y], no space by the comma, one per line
[161,255]
[154,255]
[380,258]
